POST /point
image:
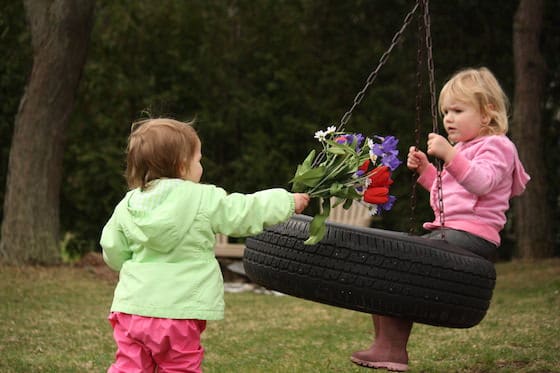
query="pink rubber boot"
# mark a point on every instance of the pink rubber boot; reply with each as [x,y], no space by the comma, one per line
[388,350]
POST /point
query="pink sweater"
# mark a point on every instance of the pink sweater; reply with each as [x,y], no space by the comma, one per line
[477,186]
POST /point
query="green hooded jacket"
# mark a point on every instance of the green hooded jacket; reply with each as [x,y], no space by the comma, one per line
[162,239]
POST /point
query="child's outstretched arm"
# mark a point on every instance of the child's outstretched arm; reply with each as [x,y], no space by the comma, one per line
[241,215]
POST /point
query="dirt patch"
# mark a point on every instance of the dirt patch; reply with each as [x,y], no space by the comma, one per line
[93,263]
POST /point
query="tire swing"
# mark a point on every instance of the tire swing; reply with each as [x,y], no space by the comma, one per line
[373,270]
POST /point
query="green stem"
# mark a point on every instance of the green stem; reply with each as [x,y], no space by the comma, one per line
[327,177]
[317,193]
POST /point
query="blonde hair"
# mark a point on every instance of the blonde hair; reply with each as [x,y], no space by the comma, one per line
[479,87]
[157,148]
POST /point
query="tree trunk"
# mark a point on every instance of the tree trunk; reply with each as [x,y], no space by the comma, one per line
[60,31]
[532,214]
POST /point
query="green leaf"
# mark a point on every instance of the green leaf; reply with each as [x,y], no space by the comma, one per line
[317,227]
[342,194]
[336,150]
[338,202]
[352,194]
[335,188]
[305,166]
[345,148]
[311,177]
[308,161]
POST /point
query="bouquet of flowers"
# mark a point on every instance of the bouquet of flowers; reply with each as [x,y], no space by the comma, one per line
[349,167]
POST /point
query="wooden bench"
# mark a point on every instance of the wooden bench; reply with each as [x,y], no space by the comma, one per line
[225,249]
[357,215]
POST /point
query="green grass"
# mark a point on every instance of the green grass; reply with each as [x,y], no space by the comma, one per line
[54,320]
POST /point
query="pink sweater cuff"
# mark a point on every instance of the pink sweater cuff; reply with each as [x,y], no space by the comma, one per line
[458,167]
[426,179]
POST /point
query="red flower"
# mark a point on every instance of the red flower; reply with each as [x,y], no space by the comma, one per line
[365,166]
[340,139]
[377,192]
[381,177]
[376,195]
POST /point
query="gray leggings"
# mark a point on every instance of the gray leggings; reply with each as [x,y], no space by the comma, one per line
[465,240]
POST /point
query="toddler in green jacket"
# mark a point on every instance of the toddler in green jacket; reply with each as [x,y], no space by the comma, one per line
[161,238]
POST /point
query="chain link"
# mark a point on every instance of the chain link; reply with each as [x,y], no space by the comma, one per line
[418,118]
[423,29]
[433,107]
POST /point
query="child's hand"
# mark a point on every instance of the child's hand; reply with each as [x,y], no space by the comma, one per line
[302,200]
[416,160]
[438,146]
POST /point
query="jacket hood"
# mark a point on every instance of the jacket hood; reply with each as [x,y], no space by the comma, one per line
[155,218]
[520,176]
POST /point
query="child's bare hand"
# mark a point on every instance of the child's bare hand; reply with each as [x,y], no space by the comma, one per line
[438,146]
[417,160]
[302,200]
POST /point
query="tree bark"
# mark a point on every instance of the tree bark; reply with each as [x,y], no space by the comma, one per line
[60,31]
[532,213]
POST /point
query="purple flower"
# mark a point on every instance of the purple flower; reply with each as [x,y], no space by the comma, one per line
[359,140]
[391,161]
[341,139]
[378,209]
[388,152]
[389,204]
[388,143]
[349,139]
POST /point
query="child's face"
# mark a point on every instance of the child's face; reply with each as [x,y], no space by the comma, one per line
[195,168]
[462,120]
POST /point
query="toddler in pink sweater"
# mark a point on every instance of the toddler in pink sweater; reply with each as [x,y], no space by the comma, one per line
[481,172]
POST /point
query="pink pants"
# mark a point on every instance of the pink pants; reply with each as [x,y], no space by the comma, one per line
[147,343]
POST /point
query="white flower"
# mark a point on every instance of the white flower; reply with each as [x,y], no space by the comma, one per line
[372,155]
[320,135]
[373,209]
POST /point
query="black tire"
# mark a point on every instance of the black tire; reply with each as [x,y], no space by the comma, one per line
[374,271]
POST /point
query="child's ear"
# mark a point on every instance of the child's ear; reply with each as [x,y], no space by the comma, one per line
[182,170]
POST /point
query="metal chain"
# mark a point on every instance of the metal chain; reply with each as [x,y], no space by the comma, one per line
[373,75]
[430,61]
[418,118]
[433,106]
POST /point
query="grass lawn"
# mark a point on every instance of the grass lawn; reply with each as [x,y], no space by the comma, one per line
[54,320]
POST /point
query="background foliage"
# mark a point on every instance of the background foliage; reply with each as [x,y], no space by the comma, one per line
[259,77]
